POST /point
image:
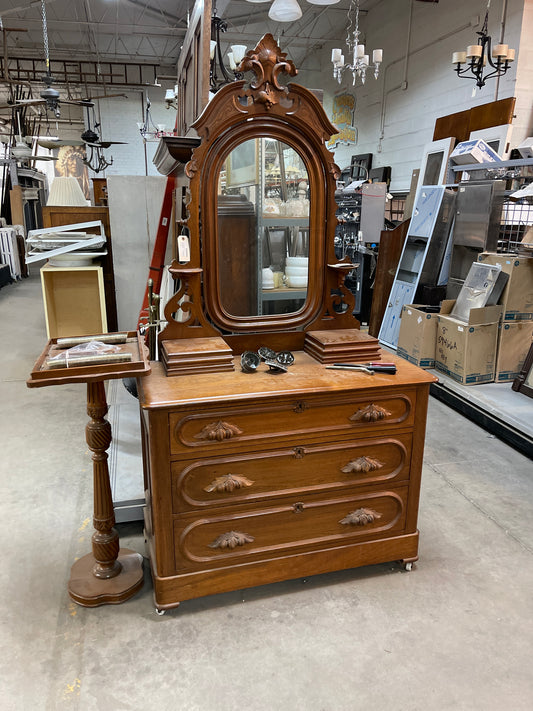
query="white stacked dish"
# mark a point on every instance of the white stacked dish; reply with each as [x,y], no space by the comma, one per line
[296,272]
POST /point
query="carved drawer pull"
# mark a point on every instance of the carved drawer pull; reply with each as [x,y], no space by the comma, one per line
[363,464]
[298,507]
[360,517]
[300,406]
[218,431]
[299,452]
[370,413]
[232,539]
[228,482]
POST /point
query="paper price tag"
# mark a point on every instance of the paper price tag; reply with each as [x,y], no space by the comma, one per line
[184,250]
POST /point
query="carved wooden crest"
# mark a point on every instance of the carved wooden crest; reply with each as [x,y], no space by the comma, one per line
[360,517]
[228,482]
[231,539]
[267,61]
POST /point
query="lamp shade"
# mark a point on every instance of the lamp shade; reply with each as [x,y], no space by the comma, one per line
[66,192]
[323,2]
[285,11]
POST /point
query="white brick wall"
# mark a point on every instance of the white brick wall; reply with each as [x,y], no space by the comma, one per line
[118,118]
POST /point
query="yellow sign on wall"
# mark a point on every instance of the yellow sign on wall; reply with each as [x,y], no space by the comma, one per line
[343,117]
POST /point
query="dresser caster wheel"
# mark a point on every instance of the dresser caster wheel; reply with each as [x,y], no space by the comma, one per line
[408,567]
[159,612]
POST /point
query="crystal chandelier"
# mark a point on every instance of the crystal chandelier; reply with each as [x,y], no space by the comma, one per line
[360,61]
[477,56]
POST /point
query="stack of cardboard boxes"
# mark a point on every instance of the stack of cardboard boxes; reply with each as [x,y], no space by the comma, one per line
[491,346]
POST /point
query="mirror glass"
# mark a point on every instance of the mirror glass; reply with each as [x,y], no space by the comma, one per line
[263,229]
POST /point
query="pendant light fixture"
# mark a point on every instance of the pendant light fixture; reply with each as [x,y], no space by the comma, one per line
[285,11]
[359,60]
[477,56]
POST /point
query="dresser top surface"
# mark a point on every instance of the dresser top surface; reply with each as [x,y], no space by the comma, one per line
[305,377]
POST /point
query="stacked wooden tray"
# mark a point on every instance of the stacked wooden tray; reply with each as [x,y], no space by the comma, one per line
[342,346]
[187,356]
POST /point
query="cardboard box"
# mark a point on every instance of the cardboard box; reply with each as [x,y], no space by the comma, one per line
[418,333]
[466,352]
[517,296]
[514,340]
[473,152]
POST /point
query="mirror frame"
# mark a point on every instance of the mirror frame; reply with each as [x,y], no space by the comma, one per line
[242,111]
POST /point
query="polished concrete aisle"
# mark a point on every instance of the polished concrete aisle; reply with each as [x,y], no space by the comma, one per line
[455,633]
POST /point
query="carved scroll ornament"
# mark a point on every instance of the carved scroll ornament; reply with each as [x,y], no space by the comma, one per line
[232,539]
[363,464]
[267,61]
[228,483]
[360,517]
[370,413]
[218,431]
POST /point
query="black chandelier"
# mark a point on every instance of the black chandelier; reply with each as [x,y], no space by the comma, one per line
[219,76]
[478,56]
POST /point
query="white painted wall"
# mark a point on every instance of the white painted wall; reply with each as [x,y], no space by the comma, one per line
[395,114]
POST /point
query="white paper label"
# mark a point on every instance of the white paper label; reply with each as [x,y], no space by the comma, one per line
[184,251]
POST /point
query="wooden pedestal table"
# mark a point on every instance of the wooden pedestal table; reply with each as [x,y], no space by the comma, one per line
[110,574]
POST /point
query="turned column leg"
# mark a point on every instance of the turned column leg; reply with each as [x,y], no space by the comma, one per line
[110,574]
[98,435]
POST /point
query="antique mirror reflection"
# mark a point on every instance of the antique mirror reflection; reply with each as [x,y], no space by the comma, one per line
[263,229]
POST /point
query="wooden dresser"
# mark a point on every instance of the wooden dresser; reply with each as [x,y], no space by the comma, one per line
[257,478]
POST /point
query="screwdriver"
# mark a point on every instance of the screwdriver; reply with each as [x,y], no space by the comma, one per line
[375,367]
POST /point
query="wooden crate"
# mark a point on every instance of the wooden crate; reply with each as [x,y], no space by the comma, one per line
[74,301]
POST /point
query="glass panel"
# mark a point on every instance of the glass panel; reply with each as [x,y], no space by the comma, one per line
[263,229]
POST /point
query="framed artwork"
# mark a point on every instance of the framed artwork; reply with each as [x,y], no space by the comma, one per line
[70,164]
[523,383]
[497,137]
[434,166]
[242,164]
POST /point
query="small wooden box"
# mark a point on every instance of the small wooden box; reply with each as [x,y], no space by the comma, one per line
[74,300]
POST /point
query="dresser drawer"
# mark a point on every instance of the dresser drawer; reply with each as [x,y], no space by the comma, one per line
[310,524]
[261,426]
[254,477]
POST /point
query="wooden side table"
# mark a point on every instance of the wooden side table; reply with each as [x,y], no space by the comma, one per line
[109,574]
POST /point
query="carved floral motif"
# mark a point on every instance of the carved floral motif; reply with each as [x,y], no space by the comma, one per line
[232,539]
[363,464]
[360,517]
[267,61]
[218,431]
[228,483]
[370,413]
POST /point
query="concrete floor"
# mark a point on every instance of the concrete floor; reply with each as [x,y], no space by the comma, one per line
[455,633]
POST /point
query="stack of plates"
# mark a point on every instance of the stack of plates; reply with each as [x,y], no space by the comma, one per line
[188,356]
[342,346]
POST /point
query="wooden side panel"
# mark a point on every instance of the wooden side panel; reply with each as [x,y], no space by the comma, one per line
[460,124]
[390,250]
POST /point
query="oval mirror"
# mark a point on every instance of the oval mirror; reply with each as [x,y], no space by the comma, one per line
[263,229]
